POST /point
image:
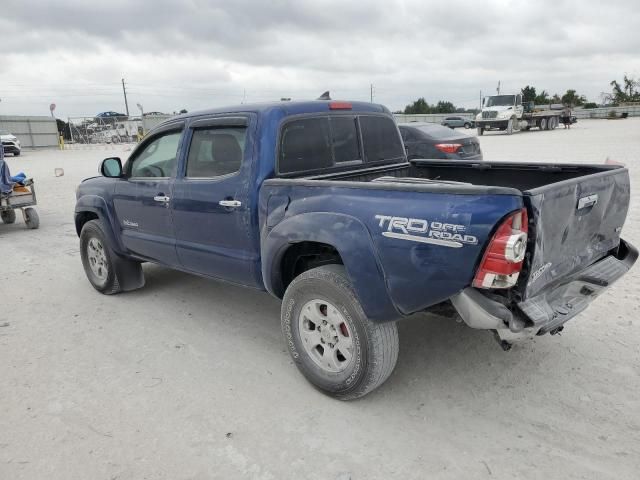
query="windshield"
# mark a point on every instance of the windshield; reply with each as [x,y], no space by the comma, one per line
[501,100]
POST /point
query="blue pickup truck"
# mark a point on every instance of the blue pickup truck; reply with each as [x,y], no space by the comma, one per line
[316,203]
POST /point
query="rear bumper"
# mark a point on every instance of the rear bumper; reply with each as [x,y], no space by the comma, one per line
[550,309]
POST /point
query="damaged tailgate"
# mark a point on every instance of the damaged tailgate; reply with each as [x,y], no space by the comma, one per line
[574,224]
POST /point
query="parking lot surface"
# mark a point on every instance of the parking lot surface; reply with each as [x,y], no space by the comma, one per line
[189,378]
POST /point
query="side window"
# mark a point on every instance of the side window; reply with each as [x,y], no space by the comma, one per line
[380,139]
[305,145]
[216,151]
[158,157]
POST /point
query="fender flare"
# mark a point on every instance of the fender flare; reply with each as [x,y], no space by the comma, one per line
[351,238]
[96,204]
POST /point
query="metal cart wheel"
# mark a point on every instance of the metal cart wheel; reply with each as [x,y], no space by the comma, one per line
[8,216]
[31,218]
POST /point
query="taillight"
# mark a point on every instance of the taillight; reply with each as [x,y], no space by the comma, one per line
[502,261]
[448,147]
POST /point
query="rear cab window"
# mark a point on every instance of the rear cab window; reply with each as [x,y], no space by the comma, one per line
[319,143]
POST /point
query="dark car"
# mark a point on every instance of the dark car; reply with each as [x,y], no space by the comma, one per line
[429,140]
[110,117]
[453,122]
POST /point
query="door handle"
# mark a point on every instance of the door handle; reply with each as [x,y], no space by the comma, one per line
[161,198]
[230,203]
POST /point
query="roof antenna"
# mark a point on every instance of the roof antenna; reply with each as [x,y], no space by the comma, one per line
[324,96]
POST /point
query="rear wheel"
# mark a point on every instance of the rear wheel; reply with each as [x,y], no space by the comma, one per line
[8,216]
[553,123]
[467,125]
[543,124]
[480,131]
[334,345]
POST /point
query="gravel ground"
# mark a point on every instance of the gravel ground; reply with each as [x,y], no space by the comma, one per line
[189,378]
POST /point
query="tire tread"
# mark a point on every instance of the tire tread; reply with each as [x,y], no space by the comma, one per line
[382,337]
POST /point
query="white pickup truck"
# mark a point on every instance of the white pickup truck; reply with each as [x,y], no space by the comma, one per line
[508,113]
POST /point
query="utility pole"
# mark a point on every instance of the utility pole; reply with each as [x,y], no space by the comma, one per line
[126,104]
[480,99]
[498,89]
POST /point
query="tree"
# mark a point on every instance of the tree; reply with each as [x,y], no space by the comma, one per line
[556,98]
[63,129]
[418,107]
[630,92]
[528,94]
[444,107]
[542,98]
[184,110]
[571,98]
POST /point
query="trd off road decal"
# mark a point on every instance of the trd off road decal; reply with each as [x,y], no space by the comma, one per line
[419,230]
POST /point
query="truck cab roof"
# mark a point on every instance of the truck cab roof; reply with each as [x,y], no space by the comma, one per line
[291,108]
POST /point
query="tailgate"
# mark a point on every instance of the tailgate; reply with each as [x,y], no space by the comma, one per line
[573,224]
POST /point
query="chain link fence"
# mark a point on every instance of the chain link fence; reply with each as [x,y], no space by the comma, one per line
[111,130]
[103,130]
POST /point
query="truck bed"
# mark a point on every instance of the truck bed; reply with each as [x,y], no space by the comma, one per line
[576,214]
[522,177]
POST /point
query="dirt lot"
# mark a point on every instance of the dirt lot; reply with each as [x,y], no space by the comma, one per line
[189,379]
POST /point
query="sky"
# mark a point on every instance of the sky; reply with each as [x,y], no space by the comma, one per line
[198,54]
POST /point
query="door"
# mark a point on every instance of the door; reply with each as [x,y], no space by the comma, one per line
[142,199]
[216,234]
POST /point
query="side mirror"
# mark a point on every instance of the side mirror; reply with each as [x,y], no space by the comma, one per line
[111,167]
[483,101]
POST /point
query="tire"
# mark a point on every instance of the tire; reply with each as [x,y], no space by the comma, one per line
[320,307]
[16,154]
[102,275]
[552,123]
[543,124]
[467,125]
[480,131]
[8,216]
[510,126]
[31,218]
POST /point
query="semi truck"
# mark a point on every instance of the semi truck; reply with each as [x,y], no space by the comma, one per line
[508,113]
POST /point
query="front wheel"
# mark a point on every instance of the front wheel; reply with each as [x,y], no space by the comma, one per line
[467,125]
[334,345]
[510,126]
[97,258]
[31,218]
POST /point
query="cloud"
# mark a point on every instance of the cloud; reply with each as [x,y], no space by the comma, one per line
[196,54]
